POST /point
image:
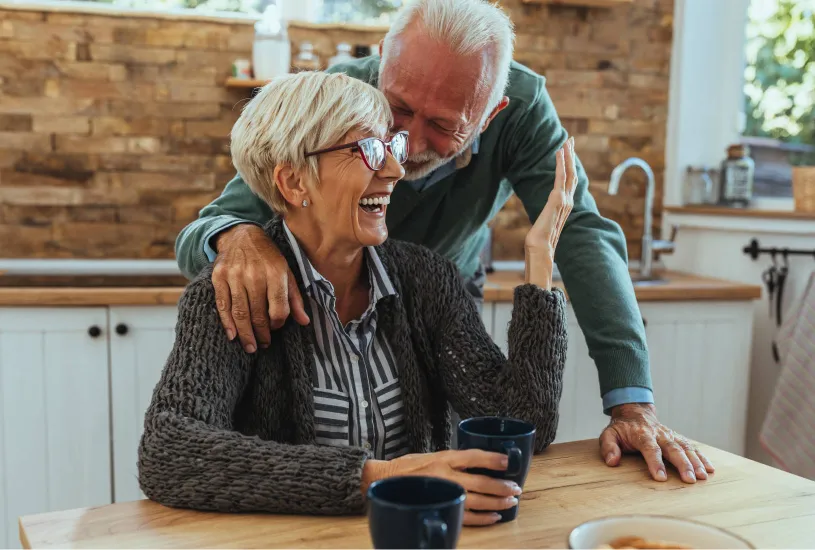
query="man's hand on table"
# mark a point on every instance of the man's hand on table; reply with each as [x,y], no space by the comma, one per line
[634,427]
[254,288]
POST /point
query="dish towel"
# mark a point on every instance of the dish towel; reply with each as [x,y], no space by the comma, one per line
[788,433]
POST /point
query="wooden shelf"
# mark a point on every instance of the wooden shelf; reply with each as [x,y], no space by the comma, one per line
[350,27]
[582,3]
[740,212]
[233,82]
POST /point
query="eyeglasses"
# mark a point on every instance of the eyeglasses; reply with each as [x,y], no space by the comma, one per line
[374,151]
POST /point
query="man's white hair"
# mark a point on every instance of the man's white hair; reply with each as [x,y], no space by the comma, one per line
[467,27]
[298,113]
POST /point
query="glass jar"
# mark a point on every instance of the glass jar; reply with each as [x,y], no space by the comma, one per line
[700,186]
[343,54]
[737,177]
[306,60]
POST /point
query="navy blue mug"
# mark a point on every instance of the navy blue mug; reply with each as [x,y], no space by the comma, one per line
[512,437]
[415,512]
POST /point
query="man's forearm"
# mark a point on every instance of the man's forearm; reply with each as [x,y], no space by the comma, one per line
[591,258]
[237,204]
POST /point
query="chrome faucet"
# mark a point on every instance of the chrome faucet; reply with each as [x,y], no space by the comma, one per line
[649,246]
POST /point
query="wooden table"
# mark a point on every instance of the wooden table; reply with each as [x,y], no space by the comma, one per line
[567,485]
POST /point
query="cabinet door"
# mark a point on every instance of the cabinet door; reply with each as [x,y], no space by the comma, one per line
[700,353]
[581,414]
[141,341]
[54,412]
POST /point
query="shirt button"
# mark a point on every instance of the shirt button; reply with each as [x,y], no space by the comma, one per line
[354,358]
[364,404]
[367,445]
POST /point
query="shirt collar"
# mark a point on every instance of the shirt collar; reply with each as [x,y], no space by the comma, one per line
[381,285]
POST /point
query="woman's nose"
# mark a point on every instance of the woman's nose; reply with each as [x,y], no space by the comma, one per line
[392,169]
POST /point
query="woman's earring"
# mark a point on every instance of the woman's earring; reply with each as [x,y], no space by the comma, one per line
[305,203]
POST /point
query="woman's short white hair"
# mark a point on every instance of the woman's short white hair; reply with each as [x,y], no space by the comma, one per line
[298,113]
[467,27]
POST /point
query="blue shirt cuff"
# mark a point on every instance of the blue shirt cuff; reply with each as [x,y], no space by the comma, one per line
[208,250]
[621,396]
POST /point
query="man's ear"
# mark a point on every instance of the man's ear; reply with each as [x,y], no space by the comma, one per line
[498,108]
[381,46]
[290,184]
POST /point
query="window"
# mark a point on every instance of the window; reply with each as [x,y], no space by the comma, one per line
[779,91]
[329,11]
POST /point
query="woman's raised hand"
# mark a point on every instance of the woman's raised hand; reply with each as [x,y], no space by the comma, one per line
[484,494]
[542,239]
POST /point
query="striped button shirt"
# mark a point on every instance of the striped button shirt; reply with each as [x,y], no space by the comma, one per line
[357,395]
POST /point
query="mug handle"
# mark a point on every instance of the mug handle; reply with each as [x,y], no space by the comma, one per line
[515,456]
[435,529]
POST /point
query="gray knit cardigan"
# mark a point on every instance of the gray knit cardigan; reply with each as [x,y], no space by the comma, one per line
[234,432]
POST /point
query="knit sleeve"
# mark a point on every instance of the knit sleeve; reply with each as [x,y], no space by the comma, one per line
[477,377]
[191,457]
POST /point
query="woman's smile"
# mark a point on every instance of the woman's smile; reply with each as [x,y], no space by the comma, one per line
[375,204]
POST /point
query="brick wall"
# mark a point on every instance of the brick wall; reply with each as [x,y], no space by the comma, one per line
[113,130]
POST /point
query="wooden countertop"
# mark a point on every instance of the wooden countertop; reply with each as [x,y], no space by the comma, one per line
[499,288]
[567,485]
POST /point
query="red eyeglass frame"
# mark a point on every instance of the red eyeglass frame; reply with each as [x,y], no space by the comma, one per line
[356,145]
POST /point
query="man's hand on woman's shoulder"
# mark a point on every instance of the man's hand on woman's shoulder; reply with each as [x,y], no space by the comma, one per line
[255,290]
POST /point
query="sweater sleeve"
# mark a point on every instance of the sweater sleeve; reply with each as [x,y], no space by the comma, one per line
[599,285]
[190,456]
[236,205]
[478,379]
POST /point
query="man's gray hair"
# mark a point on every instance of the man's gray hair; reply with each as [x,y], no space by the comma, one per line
[467,27]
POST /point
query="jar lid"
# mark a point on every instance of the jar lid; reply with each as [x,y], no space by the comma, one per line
[738,150]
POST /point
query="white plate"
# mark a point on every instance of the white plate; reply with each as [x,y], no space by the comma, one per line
[598,532]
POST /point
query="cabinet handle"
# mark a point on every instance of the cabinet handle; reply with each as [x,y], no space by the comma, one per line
[121,329]
[94,331]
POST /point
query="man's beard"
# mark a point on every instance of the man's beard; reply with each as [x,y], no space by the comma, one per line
[424,163]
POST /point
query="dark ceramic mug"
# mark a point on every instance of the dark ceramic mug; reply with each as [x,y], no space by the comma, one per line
[415,512]
[512,437]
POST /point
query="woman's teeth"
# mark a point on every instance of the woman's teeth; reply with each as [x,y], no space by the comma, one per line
[374,204]
[375,200]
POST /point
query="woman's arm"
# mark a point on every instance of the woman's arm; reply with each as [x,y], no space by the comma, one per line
[528,385]
[478,379]
[191,457]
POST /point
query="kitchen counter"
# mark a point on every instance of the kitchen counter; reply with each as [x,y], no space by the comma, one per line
[567,485]
[84,291]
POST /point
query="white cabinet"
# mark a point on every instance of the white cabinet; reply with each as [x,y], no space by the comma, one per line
[699,366]
[54,412]
[141,339]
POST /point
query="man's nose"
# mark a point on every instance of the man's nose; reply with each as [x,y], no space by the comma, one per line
[418,143]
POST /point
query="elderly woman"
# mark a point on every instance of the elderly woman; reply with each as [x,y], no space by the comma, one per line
[362,389]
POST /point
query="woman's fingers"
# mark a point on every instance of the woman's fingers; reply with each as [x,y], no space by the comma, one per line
[480,518]
[487,485]
[477,458]
[479,502]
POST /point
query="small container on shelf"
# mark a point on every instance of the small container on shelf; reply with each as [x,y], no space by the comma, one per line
[343,54]
[736,177]
[242,69]
[271,51]
[306,59]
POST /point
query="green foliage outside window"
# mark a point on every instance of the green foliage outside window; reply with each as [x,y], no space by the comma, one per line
[780,73]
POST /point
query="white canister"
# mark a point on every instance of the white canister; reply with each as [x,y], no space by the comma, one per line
[271,51]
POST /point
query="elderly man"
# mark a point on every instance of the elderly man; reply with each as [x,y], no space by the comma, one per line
[481,128]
